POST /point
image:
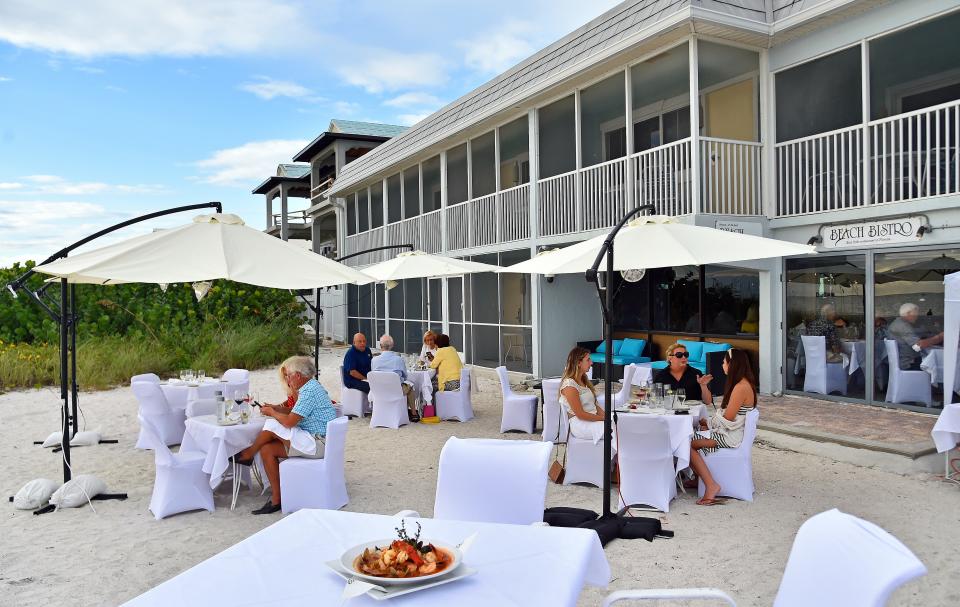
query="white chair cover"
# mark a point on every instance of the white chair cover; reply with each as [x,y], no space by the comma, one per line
[203,406]
[389,403]
[839,559]
[906,386]
[353,402]
[733,468]
[317,483]
[519,411]
[168,422]
[951,335]
[645,458]
[181,484]
[622,397]
[822,377]
[491,480]
[150,377]
[455,404]
[584,461]
[554,417]
[667,594]
[239,379]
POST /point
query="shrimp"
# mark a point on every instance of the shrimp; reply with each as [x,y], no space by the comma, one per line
[428,568]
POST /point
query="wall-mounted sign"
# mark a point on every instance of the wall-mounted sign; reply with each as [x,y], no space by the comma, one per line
[740,227]
[902,230]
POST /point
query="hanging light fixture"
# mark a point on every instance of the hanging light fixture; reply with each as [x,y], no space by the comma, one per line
[201,288]
[163,287]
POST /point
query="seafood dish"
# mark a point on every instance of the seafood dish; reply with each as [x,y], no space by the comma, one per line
[404,557]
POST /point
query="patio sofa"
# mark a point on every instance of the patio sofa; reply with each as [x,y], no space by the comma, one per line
[626,351]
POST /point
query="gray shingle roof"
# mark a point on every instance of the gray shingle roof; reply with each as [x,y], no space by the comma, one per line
[626,20]
[373,129]
[293,170]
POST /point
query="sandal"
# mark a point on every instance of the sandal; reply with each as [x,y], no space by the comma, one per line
[713,501]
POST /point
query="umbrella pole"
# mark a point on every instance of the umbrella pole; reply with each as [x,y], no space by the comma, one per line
[64,379]
[74,389]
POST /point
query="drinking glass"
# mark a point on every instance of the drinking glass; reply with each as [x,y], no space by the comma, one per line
[189,375]
[681,395]
[183,375]
[668,397]
[657,395]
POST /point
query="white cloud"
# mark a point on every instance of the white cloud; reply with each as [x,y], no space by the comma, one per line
[387,70]
[500,49]
[90,70]
[58,186]
[115,89]
[33,229]
[153,27]
[413,99]
[43,178]
[345,108]
[248,164]
[5,79]
[411,119]
[10,185]
[268,88]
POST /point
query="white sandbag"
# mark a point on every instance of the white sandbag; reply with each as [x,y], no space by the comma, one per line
[34,494]
[86,438]
[75,492]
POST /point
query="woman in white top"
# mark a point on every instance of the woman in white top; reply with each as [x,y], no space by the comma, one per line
[578,398]
[429,349]
[727,424]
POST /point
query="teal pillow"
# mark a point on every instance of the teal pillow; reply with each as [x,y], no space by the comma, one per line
[603,347]
[632,347]
[709,347]
[695,348]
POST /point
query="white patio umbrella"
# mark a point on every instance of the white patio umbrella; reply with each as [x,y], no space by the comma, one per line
[417,264]
[210,247]
[658,241]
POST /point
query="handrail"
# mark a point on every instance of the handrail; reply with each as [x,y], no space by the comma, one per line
[845,129]
[554,177]
[661,148]
[920,112]
[732,141]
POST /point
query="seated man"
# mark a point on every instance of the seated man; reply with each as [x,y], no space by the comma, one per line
[356,364]
[304,425]
[388,360]
[906,333]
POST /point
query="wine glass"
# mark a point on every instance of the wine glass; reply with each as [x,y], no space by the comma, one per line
[681,395]
[183,375]
[189,375]
[201,375]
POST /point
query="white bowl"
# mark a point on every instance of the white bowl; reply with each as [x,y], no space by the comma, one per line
[350,555]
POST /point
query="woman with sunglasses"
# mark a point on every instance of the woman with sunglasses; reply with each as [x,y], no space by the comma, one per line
[726,426]
[679,374]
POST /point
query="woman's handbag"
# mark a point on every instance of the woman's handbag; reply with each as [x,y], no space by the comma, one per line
[557,468]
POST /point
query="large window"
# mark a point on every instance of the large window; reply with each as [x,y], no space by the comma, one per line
[819,96]
[457,175]
[483,165]
[411,192]
[514,154]
[661,99]
[602,121]
[376,205]
[431,184]
[351,202]
[394,206]
[676,294]
[557,138]
[363,211]
[825,325]
[731,301]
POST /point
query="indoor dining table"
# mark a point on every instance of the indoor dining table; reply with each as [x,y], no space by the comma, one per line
[285,564]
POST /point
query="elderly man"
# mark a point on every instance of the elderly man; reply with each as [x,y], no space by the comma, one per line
[299,431]
[909,343]
[356,364]
[388,360]
[826,327]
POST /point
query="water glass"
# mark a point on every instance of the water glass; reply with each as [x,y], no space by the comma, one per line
[183,375]
[201,375]
[189,373]
[681,395]
[657,395]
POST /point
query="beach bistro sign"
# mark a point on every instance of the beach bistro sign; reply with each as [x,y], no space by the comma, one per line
[902,230]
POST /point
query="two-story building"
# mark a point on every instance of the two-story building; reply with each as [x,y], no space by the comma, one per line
[835,122]
[315,221]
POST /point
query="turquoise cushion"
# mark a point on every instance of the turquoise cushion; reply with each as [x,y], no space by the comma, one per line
[617,344]
[709,347]
[632,347]
[702,367]
[695,348]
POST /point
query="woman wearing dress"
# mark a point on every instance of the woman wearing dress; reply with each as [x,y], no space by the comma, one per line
[578,398]
[429,349]
[739,397]
[679,374]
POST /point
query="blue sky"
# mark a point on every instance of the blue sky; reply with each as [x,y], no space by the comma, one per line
[122,108]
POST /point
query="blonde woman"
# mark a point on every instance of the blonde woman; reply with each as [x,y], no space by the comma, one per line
[429,349]
[679,374]
[579,399]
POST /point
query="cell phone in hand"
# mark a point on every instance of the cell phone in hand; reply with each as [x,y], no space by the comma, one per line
[257,404]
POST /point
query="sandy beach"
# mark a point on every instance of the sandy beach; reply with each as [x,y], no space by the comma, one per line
[80,558]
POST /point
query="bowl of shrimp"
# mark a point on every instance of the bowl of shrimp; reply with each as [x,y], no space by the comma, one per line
[400,560]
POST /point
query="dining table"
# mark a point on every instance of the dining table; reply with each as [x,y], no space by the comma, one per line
[856,351]
[285,564]
[219,442]
[682,429]
[180,393]
[946,434]
[932,363]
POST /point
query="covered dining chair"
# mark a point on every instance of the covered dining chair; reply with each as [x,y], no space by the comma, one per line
[822,377]
[169,422]
[519,410]
[180,484]
[353,403]
[647,474]
[389,402]
[905,386]
[455,404]
[554,417]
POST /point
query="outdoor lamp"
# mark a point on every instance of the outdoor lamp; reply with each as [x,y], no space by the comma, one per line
[13,292]
[549,277]
[815,239]
[201,288]
[923,230]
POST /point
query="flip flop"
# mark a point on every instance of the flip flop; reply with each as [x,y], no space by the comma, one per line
[711,501]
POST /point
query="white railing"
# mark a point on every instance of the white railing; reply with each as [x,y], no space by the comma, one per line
[482,213]
[458,227]
[431,237]
[603,194]
[662,176]
[406,231]
[514,210]
[915,155]
[730,180]
[558,204]
[820,173]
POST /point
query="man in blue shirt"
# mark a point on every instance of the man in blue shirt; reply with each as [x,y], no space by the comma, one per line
[305,421]
[356,364]
[388,360]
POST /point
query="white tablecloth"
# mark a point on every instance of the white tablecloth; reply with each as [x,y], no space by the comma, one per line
[681,433]
[219,442]
[516,565]
[946,432]
[180,394]
[421,383]
[932,363]
[856,352]
[642,375]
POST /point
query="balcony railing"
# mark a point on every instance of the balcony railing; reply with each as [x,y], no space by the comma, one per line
[491,219]
[908,156]
[731,176]
[663,177]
